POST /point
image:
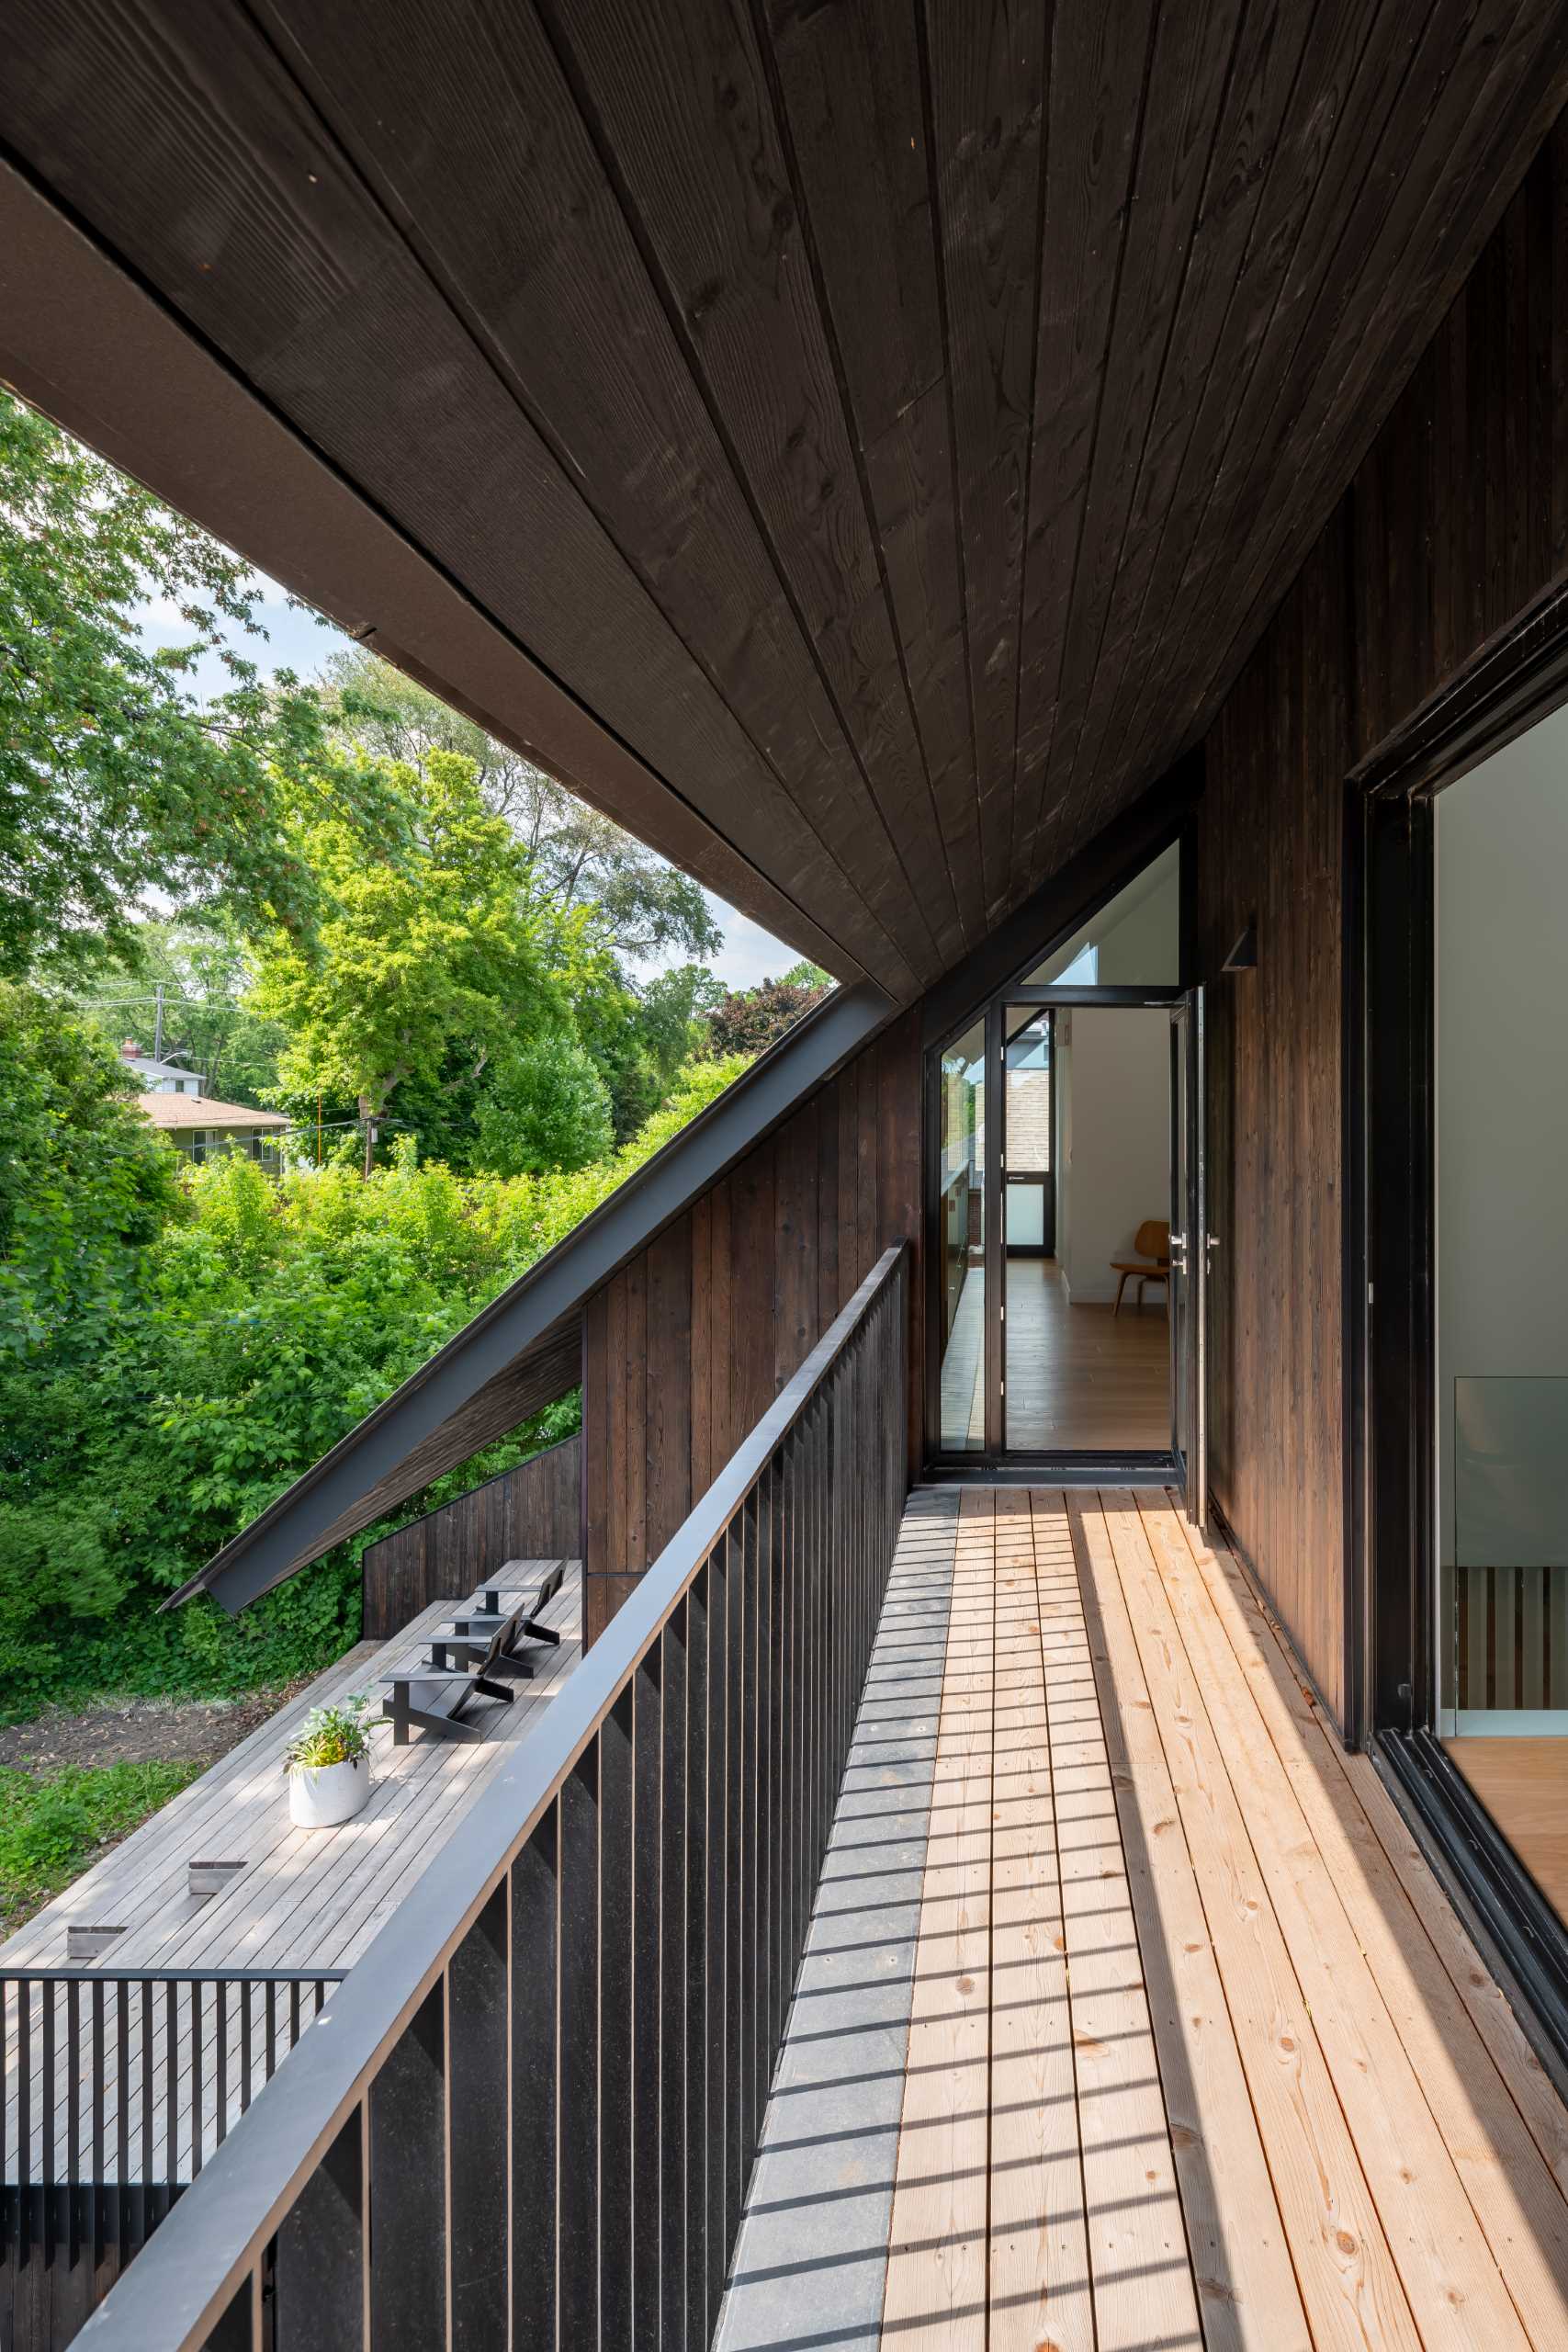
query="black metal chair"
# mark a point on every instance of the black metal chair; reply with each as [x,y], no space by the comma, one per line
[487,1615]
[433,1697]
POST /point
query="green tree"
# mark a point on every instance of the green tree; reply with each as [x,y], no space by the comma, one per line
[117,779]
[546,1106]
[750,1019]
[430,951]
[84,1183]
[643,905]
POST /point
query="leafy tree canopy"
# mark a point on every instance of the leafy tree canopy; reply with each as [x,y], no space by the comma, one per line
[118,783]
[429,951]
[84,1183]
[750,1019]
[580,859]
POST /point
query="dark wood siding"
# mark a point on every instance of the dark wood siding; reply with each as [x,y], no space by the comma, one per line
[1456,518]
[687,1345]
[533,1512]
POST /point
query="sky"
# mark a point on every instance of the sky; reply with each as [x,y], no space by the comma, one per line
[298,639]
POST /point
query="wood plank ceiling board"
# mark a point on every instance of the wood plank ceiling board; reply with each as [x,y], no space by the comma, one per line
[853,108]
[986,75]
[881,428]
[1453,130]
[1339,82]
[679,97]
[1217,103]
[1100,62]
[526,239]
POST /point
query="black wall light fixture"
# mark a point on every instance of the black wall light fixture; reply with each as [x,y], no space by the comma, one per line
[1243,956]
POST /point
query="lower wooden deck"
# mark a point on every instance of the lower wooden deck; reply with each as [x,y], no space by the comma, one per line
[1186,2046]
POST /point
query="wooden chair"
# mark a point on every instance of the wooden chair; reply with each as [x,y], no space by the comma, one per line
[1152,1264]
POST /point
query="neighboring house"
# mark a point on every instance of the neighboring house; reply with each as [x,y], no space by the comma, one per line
[197,1123]
[205,1128]
[160,1077]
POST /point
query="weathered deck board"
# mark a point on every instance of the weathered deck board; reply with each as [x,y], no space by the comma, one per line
[1197,2053]
[306,1899]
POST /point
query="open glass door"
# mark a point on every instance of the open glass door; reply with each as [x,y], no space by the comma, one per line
[1190,1244]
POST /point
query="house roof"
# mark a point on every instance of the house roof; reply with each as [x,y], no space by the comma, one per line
[206,1111]
[987,394]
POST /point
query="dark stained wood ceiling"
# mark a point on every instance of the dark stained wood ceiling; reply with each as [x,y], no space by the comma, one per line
[887,428]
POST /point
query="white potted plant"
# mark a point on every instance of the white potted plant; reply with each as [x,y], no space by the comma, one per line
[328,1762]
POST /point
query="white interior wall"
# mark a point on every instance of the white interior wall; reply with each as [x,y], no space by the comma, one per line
[1503,1134]
[1114,1168]
[1145,946]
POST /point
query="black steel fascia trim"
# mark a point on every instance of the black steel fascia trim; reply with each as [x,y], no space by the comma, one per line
[279,1539]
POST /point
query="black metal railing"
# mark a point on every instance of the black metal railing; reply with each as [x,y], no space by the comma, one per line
[531,2114]
[117,2085]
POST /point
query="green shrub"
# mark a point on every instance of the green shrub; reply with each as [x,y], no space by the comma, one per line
[51,1829]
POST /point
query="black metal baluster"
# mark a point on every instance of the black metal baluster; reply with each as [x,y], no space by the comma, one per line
[197,2080]
[409,2183]
[616,2043]
[247,1995]
[737,1965]
[99,2169]
[476,2127]
[717,1915]
[759,1619]
[221,2118]
[648,1848]
[271,2030]
[123,2110]
[73,2111]
[578,2225]
[319,2267]
[171,2083]
[23,2115]
[674,1999]
[778,1793]
[697,2038]
[145,2087]
[534,2000]
[47,2117]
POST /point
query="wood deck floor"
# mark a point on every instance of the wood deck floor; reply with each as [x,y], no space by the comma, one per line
[1192,2050]
[306,1899]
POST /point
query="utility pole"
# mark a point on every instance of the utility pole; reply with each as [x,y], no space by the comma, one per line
[158,1026]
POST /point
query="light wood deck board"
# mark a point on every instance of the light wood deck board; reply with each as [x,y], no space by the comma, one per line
[1197,2052]
[309,1899]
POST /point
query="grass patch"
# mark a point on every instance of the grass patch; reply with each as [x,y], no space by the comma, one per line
[53,1826]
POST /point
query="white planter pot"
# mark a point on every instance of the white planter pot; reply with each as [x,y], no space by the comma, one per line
[322,1796]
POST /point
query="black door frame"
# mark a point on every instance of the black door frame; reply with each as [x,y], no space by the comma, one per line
[1390,1171]
[1132,1466]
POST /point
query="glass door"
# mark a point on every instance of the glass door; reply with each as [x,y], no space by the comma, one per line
[1191,1243]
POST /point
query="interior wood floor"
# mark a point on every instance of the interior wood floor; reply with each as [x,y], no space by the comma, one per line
[1523,1783]
[1079,1377]
[1195,2053]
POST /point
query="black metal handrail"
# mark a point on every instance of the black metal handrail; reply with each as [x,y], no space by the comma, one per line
[530,2114]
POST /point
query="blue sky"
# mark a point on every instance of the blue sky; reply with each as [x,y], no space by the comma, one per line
[299,640]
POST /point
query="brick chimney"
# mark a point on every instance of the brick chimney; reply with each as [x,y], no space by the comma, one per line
[130,1050]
